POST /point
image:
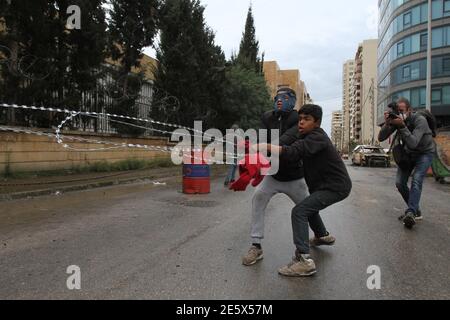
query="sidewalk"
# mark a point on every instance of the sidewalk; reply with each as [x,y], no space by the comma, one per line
[20,188]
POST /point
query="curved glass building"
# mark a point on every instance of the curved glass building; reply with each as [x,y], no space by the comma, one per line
[402,55]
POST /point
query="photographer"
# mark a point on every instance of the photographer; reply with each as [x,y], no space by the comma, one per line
[414,152]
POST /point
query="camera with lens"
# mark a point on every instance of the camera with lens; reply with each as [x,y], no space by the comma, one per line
[394,112]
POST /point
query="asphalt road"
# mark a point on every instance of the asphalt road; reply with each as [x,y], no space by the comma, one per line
[144,241]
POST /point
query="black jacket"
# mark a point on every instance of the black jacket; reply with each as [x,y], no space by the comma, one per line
[287,123]
[324,168]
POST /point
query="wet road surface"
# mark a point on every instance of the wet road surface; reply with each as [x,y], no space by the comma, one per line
[152,242]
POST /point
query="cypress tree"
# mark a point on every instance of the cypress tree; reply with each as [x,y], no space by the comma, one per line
[249,47]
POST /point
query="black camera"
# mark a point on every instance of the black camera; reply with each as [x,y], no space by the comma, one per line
[394,112]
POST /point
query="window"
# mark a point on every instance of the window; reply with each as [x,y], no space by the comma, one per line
[407,19]
[415,97]
[436,96]
[423,96]
[446,64]
[400,48]
[406,72]
[424,40]
[446,95]
[437,40]
[446,6]
[415,72]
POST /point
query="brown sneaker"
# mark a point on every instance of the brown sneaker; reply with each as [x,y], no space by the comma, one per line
[253,256]
[324,241]
[299,267]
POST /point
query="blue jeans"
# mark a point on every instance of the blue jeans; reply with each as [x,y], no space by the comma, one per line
[412,196]
[231,173]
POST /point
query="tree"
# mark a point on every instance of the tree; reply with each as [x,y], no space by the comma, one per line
[191,65]
[247,98]
[249,48]
[132,27]
[87,53]
[26,42]
[48,64]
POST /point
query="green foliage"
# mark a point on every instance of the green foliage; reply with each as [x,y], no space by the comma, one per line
[191,65]
[132,27]
[126,165]
[249,48]
[47,64]
[247,98]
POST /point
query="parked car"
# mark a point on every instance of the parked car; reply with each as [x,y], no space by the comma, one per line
[370,156]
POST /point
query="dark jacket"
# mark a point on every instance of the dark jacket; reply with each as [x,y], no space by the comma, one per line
[324,168]
[287,123]
[417,135]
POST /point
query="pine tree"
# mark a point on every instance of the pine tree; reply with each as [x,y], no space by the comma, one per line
[249,48]
[192,66]
[133,26]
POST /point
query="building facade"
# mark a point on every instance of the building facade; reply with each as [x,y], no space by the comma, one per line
[347,76]
[276,78]
[362,99]
[402,55]
[337,126]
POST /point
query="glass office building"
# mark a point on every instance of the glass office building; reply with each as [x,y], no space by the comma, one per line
[402,55]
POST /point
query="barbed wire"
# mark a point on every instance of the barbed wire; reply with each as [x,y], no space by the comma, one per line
[31,67]
[187,152]
[72,114]
[60,140]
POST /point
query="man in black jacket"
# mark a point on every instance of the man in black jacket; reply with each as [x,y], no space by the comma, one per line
[417,140]
[290,177]
[328,182]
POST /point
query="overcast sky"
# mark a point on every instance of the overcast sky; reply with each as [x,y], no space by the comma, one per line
[316,37]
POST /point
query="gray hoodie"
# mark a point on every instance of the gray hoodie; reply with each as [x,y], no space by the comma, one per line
[417,135]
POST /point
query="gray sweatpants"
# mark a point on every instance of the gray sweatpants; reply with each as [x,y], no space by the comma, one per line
[269,187]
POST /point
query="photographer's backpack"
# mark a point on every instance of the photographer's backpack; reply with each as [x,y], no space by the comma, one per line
[432,123]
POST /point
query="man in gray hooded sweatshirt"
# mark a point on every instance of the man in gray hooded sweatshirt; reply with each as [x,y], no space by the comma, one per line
[417,139]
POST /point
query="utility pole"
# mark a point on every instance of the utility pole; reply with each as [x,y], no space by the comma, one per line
[372,101]
[430,18]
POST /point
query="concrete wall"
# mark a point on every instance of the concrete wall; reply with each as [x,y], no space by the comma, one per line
[27,153]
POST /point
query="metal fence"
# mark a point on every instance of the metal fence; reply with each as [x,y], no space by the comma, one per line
[99,100]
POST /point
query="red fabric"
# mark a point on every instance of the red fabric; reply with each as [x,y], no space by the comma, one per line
[250,173]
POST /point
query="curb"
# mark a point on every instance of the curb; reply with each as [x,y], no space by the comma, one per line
[50,191]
